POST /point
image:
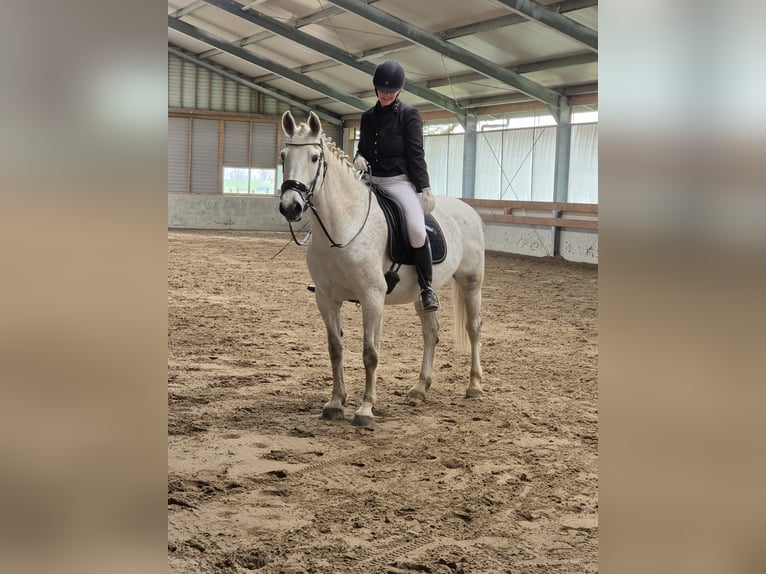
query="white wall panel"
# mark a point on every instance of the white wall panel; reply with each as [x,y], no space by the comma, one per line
[178,155]
[334,132]
[243,99]
[189,85]
[269,106]
[204,168]
[216,92]
[194,87]
[236,143]
[229,95]
[264,147]
[174,81]
[203,88]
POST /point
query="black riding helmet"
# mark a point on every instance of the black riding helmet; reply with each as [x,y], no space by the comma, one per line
[389,76]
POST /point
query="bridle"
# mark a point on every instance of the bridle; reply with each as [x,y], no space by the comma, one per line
[307,193]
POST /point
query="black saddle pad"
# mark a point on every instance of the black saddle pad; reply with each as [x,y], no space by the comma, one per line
[399,248]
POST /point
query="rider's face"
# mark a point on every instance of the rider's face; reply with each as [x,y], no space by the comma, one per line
[386,98]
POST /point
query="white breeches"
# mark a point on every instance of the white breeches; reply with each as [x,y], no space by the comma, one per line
[403,190]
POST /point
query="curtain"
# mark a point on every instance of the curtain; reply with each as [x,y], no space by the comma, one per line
[544,164]
[455,166]
[437,158]
[517,164]
[583,164]
[516,176]
[444,156]
[488,167]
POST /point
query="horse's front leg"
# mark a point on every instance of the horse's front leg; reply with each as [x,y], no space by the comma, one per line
[372,318]
[330,310]
[430,327]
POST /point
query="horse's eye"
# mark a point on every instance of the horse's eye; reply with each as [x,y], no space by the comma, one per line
[315,158]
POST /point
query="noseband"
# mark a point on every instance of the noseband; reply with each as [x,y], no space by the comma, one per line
[307,193]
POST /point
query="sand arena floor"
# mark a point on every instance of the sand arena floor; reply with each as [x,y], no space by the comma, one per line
[257,481]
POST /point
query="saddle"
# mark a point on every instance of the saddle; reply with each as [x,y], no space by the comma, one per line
[399,249]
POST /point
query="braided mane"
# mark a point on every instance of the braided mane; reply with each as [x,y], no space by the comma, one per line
[304,130]
[337,152]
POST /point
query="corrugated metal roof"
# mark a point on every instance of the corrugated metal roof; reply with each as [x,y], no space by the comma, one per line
[485,28]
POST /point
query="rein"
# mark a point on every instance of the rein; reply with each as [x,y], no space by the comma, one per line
[307,193]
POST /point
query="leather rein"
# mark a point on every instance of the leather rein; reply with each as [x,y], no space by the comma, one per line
[307,194]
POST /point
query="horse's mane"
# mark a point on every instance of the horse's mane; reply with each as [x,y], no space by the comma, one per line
[338,153]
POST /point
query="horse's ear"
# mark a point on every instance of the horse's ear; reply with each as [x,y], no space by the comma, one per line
[288,123]
[314,124]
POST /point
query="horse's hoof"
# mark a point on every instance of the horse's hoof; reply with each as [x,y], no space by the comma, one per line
[474,393]
[416,398]
[366,421]
[333,413]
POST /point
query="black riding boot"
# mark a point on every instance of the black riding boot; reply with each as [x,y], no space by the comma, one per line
[424,267]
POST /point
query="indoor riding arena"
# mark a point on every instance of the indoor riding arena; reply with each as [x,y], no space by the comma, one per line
[258,480]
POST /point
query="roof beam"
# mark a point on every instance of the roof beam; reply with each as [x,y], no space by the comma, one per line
[233,49]
[188,9]
[511,19]
[566,90]
[457,53]
[556,21]
[479,27]
[524,68]
[473,104]
[459,32]
[290,100]
[294,23]
[329,50]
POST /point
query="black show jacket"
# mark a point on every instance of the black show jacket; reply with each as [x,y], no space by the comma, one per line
[391,140]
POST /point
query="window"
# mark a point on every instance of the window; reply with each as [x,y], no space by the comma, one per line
[249,154]
[536,120]
[249,180]
[586,117]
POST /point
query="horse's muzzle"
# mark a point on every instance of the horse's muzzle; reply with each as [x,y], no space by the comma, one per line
[290,207]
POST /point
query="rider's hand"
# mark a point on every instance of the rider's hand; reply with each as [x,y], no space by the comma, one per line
[428,200]
[360,163]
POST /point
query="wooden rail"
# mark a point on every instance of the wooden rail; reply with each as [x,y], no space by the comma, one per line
[536,213]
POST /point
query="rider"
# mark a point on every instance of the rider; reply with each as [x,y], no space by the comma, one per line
[391,149]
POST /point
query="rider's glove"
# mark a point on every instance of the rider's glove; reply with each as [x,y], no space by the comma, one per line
[360,163]
[428,200]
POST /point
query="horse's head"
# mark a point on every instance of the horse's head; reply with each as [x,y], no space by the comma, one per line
[303,165]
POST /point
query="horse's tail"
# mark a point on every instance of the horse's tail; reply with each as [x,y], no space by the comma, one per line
[460,316]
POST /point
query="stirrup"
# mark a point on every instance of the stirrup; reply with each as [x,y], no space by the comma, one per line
[429,300]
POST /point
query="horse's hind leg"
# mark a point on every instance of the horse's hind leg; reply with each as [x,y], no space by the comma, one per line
[471,292]
[330,310]
[430,326]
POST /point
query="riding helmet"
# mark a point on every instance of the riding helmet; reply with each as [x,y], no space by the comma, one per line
[389,76]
